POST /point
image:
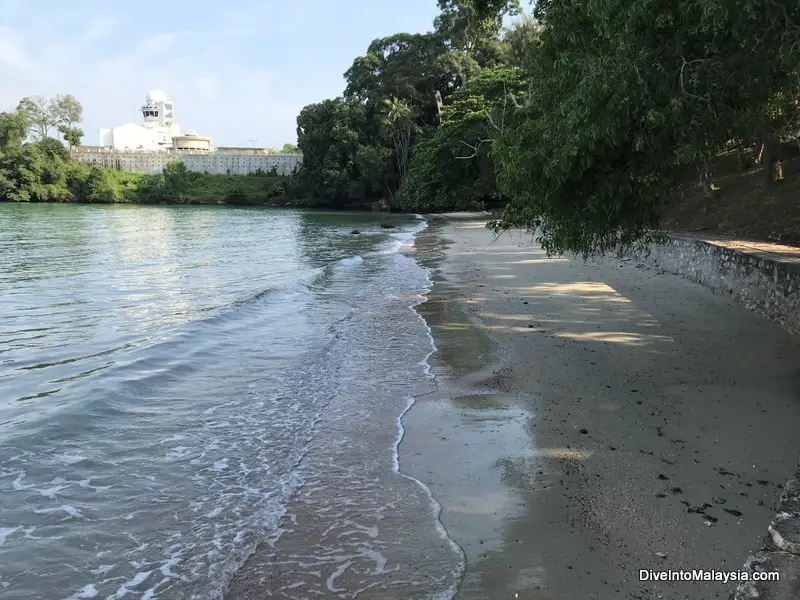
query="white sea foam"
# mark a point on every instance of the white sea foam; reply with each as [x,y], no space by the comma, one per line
[436,508]
[88,591]
[7,532]
[351,260]
[69,458]
[236,478]
[71,511]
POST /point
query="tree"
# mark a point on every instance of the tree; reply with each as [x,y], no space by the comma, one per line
[100,186]
[13,129]
[290,149]
[452,168]
[411,67]
[625,94]
[62,113]
[520,40]
[399,120]
[41,115]
[68,112]
[72,135]
[469,24]
[329,135]
[371,172]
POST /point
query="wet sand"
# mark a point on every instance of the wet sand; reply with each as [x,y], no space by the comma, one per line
[592,420]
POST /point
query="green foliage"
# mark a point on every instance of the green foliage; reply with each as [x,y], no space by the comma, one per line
[471,28]
[622,95]
[44,171]
[290,149]
[13,129]
[334,174]
[61,113]
[411,67]
[100,186]
[400,124]
[40,115]
[72,135]
[452,168]
[357,148]
[579,117]
[176,185]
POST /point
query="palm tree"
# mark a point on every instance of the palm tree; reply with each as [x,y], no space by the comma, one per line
[399,119]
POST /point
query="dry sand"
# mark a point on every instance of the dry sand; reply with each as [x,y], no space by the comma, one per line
[592,420]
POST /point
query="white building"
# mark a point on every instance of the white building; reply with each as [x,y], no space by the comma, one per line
[191,140]
[155,134]
[219,163]
[149,147]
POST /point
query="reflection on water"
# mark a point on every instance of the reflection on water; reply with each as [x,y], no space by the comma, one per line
[172,377]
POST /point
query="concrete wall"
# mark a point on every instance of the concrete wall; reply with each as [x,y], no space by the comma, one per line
[767,284]
[210,162]
[780,552]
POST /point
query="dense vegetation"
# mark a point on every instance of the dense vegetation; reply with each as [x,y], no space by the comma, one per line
[580,119]
[35,167]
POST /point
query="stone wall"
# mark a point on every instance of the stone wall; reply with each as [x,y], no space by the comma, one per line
[765,284]
[219,163]
[780,552]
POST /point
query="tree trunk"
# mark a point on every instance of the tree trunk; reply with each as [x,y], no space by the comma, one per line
[770,156]
[705,179]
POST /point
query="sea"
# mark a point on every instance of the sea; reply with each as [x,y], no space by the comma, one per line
[207,402]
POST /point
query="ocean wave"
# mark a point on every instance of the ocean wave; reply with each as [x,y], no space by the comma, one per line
[199,426]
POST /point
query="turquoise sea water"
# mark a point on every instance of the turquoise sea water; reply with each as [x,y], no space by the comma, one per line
[182,388]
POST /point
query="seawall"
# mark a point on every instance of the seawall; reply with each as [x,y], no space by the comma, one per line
[780,551]
[218,162]
[763,277]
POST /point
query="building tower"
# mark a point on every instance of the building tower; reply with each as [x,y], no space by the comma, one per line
[159,115]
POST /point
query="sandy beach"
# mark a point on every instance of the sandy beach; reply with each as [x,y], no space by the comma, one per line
[595,419]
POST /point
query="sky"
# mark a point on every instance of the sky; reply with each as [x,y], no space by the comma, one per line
[239,71]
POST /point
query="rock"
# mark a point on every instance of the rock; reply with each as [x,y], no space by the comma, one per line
[387,226]
[787,588]
[661,555]
[790,498]
[355,232]
[785,527]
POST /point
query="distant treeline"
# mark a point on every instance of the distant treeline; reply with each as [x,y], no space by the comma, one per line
[576,119]
[37,167]
[42,170]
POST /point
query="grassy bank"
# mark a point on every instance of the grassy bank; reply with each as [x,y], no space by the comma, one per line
[176,185]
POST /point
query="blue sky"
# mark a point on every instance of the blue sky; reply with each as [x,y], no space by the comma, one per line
[238,70]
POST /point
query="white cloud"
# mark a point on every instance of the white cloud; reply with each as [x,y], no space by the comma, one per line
[207,87]
[218,91]
[12,50]
[100,28]
[160,42]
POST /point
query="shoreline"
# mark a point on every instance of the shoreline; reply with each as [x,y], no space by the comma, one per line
[593,420]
